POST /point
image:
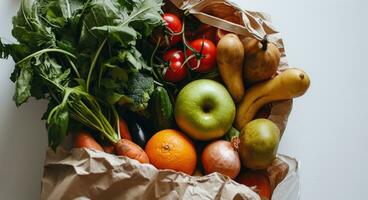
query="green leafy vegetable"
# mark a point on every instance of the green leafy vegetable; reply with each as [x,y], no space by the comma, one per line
[140,90]
[81,55]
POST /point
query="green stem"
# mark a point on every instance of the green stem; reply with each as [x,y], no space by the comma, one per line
[151,59]
[45,51]
[94,117]
[53,83]
[117,119]
[74,68]
[94,63]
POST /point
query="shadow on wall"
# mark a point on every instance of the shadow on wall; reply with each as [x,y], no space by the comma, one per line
[15,4]
[22,149]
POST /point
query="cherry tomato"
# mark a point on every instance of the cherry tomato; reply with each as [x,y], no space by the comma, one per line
[207,56]
[174,26]
[176,71]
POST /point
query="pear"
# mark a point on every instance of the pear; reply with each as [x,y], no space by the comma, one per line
[259,141]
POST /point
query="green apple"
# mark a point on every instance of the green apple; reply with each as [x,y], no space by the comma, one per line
[204,110]
[259,141]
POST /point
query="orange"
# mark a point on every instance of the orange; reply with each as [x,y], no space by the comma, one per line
[171,149]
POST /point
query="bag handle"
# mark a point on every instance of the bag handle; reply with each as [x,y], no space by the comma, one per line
[252,26]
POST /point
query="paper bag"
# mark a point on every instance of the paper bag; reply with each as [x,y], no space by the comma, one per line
[89,174]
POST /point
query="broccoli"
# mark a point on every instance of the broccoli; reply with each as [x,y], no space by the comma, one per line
[139,89]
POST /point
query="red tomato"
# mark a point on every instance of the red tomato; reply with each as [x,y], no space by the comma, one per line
[174,25]
[259,180]
[176,71]
[207,56]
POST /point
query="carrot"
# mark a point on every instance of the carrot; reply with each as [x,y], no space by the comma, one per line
[127,148]
[109,149]
[124,131]
[84,139]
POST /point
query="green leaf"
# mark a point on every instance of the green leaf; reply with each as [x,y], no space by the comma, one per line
[58,12]
[146,17]
[119,98]
[233,132]
[122,34]
[57,125]
[23,84]
[50,106]
[28,27]
[48,30]
[4,52]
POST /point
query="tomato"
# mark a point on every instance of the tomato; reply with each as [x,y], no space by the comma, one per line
[206,56]
[174,26]
[175,71]
[259,180]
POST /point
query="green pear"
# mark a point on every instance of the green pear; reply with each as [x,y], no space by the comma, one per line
[259,141]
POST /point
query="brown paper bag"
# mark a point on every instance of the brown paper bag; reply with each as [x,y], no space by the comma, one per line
[88,174]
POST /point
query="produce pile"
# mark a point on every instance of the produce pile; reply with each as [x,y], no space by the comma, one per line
[142,79]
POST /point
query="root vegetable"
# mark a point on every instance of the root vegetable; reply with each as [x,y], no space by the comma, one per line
[124,131]
[84,139]
[127,148]
[109,149]
[220,156]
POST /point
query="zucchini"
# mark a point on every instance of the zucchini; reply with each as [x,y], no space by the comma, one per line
[162,110]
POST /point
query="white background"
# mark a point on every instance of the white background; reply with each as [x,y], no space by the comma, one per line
[327,129]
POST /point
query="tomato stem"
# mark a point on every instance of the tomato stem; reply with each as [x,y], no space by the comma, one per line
[195,53]
[151,59]
[187,59]
[186,45]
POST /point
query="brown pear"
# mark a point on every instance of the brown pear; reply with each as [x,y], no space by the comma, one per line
[261,60]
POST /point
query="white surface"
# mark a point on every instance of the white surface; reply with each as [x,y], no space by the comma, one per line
[326,130]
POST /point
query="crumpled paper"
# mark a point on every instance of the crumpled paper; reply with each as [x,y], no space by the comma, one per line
[90,174]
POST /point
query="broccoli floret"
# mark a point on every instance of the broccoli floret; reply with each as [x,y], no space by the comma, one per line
[139,89]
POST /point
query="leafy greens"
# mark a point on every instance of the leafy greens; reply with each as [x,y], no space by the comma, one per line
[82,56]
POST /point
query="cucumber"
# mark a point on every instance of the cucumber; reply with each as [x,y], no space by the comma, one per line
[162,110]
